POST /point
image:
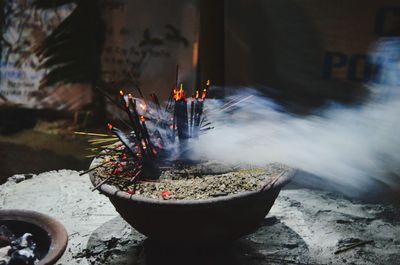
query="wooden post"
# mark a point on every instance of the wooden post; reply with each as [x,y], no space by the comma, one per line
[211,63]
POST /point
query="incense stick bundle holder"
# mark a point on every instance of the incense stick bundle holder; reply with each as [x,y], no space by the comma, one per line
[214,220]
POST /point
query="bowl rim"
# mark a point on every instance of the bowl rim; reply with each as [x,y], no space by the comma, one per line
[56,231]
[112,191]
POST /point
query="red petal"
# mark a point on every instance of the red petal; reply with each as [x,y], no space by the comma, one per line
[165,194]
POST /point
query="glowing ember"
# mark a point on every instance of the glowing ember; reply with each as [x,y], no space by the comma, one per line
[203,96]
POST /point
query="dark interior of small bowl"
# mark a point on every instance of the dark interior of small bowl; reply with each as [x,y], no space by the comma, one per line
[40,236]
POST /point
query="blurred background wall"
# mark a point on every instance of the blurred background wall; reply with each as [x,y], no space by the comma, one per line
[306,52]
[48,48]
[301,52]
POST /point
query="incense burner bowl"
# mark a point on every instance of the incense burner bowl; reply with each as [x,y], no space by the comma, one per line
[49,235]
[214,220]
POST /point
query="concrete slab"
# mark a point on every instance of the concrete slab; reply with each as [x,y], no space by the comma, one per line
[304,227]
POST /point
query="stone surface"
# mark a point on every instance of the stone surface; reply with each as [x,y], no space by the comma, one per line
[304,227]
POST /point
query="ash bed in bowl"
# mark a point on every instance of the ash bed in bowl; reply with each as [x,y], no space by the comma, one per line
[49,235]
[211,220]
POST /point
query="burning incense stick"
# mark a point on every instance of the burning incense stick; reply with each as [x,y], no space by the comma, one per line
[272,181]
[151,141]
[93,168]
[180,114]
[102,182]
[93,134]
[235,103]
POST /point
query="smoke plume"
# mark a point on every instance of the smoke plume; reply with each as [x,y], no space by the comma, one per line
[352,146]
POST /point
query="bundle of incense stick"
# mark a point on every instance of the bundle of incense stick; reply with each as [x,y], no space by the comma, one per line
[151,139]
[181,114]
[189,127]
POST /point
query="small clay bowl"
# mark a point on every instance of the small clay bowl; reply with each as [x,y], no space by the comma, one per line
[50,236]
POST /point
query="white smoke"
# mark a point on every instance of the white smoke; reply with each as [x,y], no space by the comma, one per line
[351,146]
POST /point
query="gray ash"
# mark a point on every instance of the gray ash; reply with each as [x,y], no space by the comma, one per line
[17,250]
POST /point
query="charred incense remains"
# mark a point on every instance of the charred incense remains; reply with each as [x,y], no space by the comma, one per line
[17,250]
[157,137]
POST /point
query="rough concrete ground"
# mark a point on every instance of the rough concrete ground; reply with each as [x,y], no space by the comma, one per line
[303,227]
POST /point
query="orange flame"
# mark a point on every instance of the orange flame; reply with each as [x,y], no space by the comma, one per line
[179,94]
[142,118]
[109,125]
[130,96]
[121,93]
[197,94]
[208,83]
